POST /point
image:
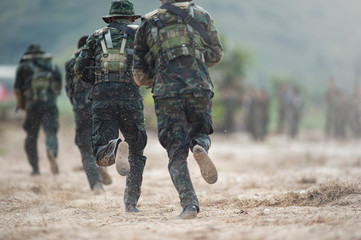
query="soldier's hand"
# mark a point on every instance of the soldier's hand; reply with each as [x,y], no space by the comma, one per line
[142,79]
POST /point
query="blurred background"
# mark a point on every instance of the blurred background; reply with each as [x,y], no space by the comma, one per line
[290,67]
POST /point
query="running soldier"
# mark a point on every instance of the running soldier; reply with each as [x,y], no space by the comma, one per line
[174,47]
[37,85]
[106,63]
[78,94]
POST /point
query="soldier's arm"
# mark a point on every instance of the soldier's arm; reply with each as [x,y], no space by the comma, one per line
[69,75]
[57,80]
[84,64]
[140,66]
[215,50]
[21,73]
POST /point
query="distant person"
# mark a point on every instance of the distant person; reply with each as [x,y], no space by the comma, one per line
[37,85]
[355,111]
[106,62]
[78,93]
[174,47]
[258,115]
[331,95]
[295,105]
[341,117]
[282,90]
[231,101]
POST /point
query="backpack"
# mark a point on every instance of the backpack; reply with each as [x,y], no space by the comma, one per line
[42,85]
[114,63]
[173,36]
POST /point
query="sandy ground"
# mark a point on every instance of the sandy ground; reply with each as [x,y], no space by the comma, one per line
[281,189]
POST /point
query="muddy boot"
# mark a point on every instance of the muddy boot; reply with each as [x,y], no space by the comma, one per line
[35,172]
[104,175]
[208,169]
[131,208]
[98,189]
[122,163]
[109,153]
[189,212]
[53,165]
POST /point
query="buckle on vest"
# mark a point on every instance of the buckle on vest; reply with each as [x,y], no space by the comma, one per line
[158,22]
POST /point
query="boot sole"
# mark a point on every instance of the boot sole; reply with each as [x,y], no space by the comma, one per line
[188,215]
[122,163]
[208,169]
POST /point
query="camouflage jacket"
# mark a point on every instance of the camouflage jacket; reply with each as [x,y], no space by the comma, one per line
[38,81]
[91,55]
[78,91]
[183,74]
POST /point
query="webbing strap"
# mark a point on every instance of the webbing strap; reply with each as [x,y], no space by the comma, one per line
[104,47]
[124,28]
[105,51]
[188,19]
[124,41]
[108,39]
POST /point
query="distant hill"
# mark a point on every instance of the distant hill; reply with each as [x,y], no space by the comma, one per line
[308,40]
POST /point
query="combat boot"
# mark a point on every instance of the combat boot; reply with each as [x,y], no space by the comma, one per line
[35,172]
[98,189]
[104,176]
[122,162]
[189,212]
[53,165]
[131,208]
[208,169]
[108,158]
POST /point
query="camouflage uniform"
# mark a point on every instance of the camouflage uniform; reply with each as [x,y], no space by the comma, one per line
[295,105]
[258,115]
[282,106]
[331,96]
[37,84]
[173,59]
[78,93]
[117,101]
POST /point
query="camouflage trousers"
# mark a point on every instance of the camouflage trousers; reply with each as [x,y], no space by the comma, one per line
[83,134]
[47,117]
[127,116]
[183,121]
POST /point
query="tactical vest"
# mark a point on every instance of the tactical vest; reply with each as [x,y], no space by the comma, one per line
[114,63]
[42,86]
[173,39]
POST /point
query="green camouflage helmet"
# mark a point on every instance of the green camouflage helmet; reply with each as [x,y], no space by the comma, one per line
[121,8]
[34,49]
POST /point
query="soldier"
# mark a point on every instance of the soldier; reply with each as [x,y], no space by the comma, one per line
[355,111]
[37,85]
[106,63]
[282,106]
[78,93]
[330,114]
[258,115]
[174,46]
[295,105]
[342,110]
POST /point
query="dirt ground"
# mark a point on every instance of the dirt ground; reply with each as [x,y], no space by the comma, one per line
[280,189]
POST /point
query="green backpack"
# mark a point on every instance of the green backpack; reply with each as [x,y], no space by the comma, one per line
[42,85]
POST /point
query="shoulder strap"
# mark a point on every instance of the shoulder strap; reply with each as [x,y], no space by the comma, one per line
[188,19]
[42,66]
[124,28]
